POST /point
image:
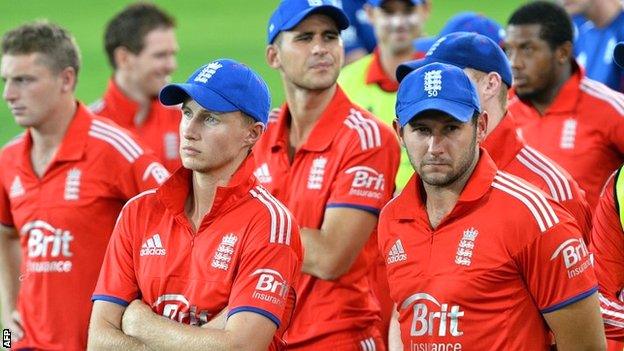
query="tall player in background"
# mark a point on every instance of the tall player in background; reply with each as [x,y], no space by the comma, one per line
[572,119]
[333,165]
[63,184]
[141,46]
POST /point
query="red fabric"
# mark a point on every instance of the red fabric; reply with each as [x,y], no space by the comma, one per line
[377,75]
[607,245]
[350,160]
[65,219]
[482,279]
[513,156]
[582,130]
[244,265]
[159,130]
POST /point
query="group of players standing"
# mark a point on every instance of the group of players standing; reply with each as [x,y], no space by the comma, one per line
[286,229]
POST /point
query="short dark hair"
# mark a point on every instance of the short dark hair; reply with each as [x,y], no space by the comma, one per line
[556,25]
[129,28]
[56,44]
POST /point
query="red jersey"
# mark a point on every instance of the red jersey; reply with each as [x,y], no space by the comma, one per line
[481,280]
[607,245]
[349,160]
[158,130]
[65,219]
[582,130]
[245,255]
[513,156]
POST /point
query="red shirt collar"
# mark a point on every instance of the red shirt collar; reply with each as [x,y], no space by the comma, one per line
[74,141]
[503,144]
[569,95]
[174,192]
[410,204]
[377,75]
[125,108]
[324,129]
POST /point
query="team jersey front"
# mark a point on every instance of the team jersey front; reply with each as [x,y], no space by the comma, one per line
[593,49]
[65,219]
[503,256]
[512,155]
[582,130]
[157,127]
[349,160]
[245,255]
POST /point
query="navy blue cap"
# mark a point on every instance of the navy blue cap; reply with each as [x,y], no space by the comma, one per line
[466,22]
[463,50]
[290,13]
[437,86]
[223,85]
[618,54]
[378,3]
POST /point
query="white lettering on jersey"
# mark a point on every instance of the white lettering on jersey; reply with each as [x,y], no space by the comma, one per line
[574,255]
[157,171]
[396,253]
[271,286]
[153,247]
[178,308]
[367,182]
[45,241]
[441,320]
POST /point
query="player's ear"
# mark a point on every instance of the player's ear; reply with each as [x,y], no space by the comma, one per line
[122,57]
[482,123]
[68,79]
[398,130]
[254,132]
[272,56]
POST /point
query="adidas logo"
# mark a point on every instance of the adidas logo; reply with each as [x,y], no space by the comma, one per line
[263,175]
[397,253]
[153,247]
[17,189]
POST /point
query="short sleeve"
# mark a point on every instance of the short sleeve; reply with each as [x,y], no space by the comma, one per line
[366,179]
[557,267]
[267,272]
[6,218]
[607,245]
[117,281]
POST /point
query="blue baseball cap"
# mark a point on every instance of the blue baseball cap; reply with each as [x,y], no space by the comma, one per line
[466,22]
[463,49]
[437,86]
[223,85]
[618,54]
[290,13]
[378,3]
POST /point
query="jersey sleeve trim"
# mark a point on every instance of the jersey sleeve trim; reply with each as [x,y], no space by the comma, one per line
[6,224]
[257,310]
[368,209]
[107,298]
[569,301]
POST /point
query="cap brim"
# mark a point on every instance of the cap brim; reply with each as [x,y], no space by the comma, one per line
[460,112]
[409,66]
[334,12]
[174,94]
[618,54]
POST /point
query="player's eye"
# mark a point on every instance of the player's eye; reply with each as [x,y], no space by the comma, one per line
[211,119]
[187,114]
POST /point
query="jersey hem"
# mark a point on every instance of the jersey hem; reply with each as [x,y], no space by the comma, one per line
[368,209]
[257,310]
[108,298]
[570,300]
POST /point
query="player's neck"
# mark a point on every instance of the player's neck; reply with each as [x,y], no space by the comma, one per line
[541,102]
[130,88]
[440,200]
[602,13]
[306,107]
[391,60]
[205,184]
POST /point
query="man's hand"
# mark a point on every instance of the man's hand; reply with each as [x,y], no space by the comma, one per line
[134,317]
[13,321]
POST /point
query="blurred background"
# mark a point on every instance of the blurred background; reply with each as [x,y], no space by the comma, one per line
[206,29]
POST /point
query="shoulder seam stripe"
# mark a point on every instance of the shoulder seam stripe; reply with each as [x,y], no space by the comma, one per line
[367,130]
[560,192]
[114,143]
[375,128]
[609,93]
[135,197]
[603,93]
[287,234]
[550,166]
[122,134]
[541,201]
[525,201]
[279,216]
[554,191]
[121,141]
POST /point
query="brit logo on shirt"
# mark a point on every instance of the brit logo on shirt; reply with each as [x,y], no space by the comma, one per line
[72,184]
[317,172]
[223,255]
[463,257]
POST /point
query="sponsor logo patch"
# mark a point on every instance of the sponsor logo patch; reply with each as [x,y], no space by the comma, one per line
[178,308]
[153,247]
[367,182]
[271,286]
[396,253]
[574,255]
[433,318]
[48,247]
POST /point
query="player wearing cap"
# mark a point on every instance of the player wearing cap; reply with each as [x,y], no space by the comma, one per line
[478,259]
[141,47]
[370,81]
[487,67]
[572,119]
[63,183]
[211,239]
[333,165]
